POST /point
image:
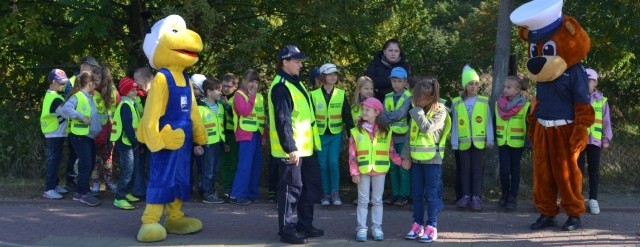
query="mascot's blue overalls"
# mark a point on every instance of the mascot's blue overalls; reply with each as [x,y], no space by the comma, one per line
[169,169]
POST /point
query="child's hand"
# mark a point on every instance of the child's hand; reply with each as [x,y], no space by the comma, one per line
[605,145]
[197,150]
[406,164]
[225,101]
[355,179]
[86,120]
[490,145]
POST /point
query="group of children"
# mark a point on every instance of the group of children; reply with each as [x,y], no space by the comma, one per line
[95,117]
[404,136]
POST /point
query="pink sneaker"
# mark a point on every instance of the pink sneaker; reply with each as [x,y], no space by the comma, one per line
[416,231]
[430,234]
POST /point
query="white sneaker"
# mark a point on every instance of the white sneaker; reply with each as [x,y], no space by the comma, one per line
[61,190]
[430,234]
[325,201]
[594,208]
[52,194]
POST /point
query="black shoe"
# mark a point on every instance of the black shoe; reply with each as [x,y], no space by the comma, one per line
[390,200]
[572,224]
[293,238]
[544,222]
[503,201]
[310,233]
[402,201]
[511,203]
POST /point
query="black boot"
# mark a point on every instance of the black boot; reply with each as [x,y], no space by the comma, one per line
[293,238]
[511,203]
[572,224]
[544,222]
[503,201]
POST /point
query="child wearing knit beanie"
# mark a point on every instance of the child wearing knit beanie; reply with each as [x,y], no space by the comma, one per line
[471,132]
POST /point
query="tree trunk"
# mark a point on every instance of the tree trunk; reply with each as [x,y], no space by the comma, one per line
[500,70]
[137,31]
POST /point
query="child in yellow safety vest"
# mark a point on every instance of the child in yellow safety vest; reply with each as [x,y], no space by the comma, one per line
[84,125]
[248,120]
[332,113]
[370,153]
[54,128]
[600,136]
[422,155]
[106,99]
[230,157]
[125,122]
[471,133]
[511,114]
[396,106]
[212,114]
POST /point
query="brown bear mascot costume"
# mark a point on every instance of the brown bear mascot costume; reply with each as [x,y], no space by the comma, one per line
[561,112]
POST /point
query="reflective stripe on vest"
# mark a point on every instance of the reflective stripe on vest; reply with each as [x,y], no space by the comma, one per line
[512,131]
[117,129]
[305,131]
[331,115]
[228,116]
[49,121]
[212,123]
[423,145]
[77,127]
[372,155]
[256,119]
[474,131]
[401,126]
[595,129]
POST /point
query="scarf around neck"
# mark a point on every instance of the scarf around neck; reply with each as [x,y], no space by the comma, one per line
[507,108]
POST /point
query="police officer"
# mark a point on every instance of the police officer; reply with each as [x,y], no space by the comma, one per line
[294,140]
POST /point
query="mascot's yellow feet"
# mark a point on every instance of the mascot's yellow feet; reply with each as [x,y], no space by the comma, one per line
[183,225]
[152,232]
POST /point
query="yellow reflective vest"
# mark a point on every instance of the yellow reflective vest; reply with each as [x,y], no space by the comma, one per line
[356,112]
[76,126]
[228,116]
[256,119]
[471,131]
[512,131]
[401,126]
[595,129]
[117,129]
[372,155]
[213,123]
[104,111]
[331,115]
[305,132]
[49,121]
[424,145]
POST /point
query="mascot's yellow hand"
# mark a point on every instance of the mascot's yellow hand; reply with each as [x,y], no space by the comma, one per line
[172,139]
[579,138]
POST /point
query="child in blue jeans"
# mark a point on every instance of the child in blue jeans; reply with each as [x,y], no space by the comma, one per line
[422,155]
[125,122]
[212,115]
[54,128]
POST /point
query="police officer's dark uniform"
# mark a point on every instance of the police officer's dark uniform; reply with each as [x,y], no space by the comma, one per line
[299,186]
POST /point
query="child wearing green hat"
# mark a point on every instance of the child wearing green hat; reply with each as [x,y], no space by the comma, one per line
[471,133]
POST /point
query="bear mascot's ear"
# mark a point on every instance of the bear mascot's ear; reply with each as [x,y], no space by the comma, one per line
[523,33]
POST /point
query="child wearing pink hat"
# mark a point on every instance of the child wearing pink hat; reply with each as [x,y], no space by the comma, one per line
[125,121]
[600,136]
[370,152]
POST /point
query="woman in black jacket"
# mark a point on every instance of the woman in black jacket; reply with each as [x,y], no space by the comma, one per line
[380,67]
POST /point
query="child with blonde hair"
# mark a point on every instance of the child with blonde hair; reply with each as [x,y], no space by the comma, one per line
[364,90]
[370,152]
[511,126]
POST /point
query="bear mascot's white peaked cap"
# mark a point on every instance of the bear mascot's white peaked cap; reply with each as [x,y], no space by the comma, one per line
[151,39]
